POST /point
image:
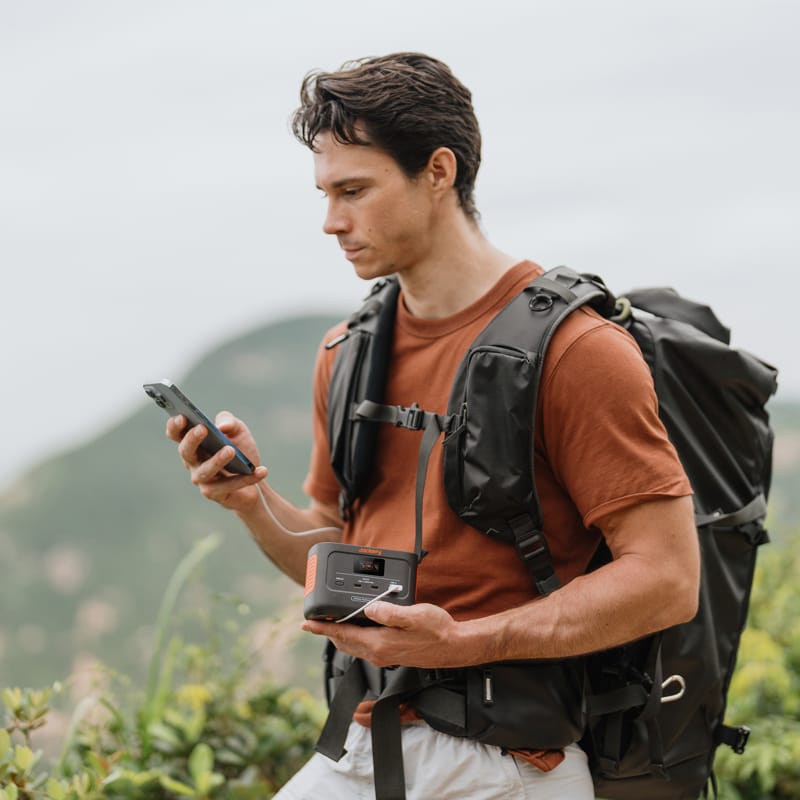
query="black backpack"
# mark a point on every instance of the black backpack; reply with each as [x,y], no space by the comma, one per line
[651,713]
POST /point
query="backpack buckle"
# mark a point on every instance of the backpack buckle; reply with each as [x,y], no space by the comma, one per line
[742,734]
[735,738]
[412,418]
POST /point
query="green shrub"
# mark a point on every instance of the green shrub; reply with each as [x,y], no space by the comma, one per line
[202,728]
[765,689]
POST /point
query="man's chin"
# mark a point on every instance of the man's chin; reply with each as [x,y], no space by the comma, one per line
[370,271]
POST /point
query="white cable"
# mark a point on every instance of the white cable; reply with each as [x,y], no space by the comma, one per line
[330,529]
[393,589]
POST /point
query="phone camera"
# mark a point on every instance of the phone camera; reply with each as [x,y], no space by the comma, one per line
[161,401]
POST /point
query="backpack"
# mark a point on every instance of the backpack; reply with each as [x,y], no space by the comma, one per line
[649,714]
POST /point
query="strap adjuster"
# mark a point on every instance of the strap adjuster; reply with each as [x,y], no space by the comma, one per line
[532,547]
[742,734]
[412,418]
[735,738]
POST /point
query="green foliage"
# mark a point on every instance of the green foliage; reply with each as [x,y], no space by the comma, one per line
[210,741]
[765,689]
[769,769]
[19,776]
[203,728]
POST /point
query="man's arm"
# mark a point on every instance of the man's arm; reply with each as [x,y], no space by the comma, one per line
[282,531]
[651,584]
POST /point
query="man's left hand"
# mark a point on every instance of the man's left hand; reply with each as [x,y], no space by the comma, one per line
[421,635]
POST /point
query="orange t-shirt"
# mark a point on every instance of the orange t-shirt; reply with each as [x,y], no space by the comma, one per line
[599,447]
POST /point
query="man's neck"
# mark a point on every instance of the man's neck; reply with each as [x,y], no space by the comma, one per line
[464,267]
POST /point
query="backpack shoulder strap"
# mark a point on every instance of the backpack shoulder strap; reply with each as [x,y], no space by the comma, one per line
[488,459]
[359,373]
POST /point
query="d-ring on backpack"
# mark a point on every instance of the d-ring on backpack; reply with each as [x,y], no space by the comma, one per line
[649,714]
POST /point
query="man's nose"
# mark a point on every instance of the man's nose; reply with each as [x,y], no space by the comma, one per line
[335,221]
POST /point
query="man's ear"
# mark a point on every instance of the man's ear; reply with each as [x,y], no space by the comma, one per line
[442,169]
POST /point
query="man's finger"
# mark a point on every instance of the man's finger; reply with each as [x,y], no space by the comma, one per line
[388,614]
[176,427]
[225,420]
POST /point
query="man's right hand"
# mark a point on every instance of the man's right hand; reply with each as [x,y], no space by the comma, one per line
[282,531]
[235,492]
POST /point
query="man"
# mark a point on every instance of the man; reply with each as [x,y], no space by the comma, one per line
[396,148]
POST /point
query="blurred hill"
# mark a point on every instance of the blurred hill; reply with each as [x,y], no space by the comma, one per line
[89,538]
[784,500]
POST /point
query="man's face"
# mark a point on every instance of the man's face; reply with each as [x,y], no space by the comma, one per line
[381,218]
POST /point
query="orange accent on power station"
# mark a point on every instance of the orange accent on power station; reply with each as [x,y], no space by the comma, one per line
[311,574]
[373,551]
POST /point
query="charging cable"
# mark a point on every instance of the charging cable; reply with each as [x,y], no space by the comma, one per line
[283,528]
[394,588]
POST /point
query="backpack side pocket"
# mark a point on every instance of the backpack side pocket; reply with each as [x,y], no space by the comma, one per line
[489,479]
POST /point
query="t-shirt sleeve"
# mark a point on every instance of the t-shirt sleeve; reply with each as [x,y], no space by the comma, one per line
[320,483]
[602,436]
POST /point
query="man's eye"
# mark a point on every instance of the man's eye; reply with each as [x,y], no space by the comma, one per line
[353,192]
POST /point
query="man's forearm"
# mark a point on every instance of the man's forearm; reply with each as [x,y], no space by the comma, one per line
[651,584]
[591,613]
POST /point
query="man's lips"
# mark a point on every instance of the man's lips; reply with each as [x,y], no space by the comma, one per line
[351,251]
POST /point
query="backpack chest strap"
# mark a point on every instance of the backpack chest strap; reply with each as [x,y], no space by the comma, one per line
[530,544]
[415,419]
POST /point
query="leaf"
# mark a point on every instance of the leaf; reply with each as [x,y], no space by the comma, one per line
[97,764]
[81,783]
[194,725]
[201,761]
[12,698]
[5,742]
[39,699]
[23,757]
[158,730]
[12,793]
[56,790]
[208,781]
[171,785]
[229,757]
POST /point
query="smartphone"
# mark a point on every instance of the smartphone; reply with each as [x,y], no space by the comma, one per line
[169,397]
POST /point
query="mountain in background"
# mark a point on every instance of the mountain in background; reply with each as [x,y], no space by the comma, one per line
[89,539]
[783,520]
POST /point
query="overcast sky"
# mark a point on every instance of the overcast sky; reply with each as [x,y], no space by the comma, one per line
[153,202]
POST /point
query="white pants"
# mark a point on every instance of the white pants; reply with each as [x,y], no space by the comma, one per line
[440,767]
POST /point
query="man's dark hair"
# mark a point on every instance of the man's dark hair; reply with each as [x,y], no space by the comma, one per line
[406,104]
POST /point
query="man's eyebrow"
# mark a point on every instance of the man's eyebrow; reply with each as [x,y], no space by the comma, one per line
[346,181]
